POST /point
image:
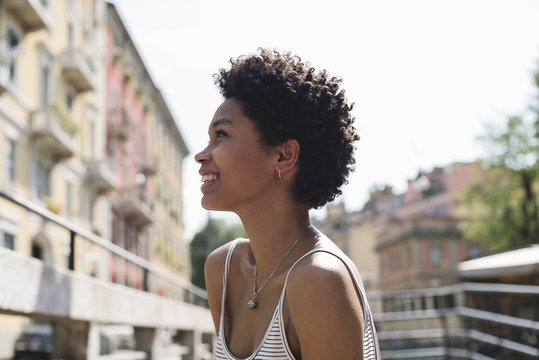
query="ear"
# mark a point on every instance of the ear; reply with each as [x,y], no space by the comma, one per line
[288,156]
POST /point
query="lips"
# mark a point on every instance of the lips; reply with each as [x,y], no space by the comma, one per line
[208,179]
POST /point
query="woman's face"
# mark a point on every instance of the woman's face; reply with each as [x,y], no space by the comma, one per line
[237,170]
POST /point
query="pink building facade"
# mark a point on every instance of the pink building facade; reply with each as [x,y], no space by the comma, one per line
[129,147]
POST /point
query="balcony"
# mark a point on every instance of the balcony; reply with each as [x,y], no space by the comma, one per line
[100,177]
[418,227]
[119,124]
[33,14]
[52,133]
[77,70]
[5,59]
[132,205]
[148,165]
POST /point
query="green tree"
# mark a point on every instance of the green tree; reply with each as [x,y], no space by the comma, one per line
[505,199]
[215,233]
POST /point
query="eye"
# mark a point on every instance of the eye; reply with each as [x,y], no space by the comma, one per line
[220,133]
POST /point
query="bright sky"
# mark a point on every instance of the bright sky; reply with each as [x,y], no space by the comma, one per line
[425,75]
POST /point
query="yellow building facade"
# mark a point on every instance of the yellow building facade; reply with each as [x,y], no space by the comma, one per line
[55,123]
[50,111]
[51,77]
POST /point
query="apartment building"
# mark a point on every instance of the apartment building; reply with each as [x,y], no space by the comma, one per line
[145,149]
[51,103]
[51,78]
[409,240]
[169,247]
[86,134]
[420,242]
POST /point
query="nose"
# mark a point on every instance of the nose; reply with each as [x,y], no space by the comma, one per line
[203,156]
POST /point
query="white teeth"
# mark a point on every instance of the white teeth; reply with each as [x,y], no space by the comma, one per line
[209,177]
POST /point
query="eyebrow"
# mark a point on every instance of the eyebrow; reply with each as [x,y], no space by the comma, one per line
[222,121]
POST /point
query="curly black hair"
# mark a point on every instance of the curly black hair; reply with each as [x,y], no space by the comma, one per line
[287,99]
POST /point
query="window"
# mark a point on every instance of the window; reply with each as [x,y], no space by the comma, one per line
[9,159]
[94,13]
[92,138]
[9,241]
[121,236]
[70,99]
[13,42]
[70,35]
[42,180]
[37,251]
[114,99]
[435,255]
[45,78]
[45,83]
[115,225]
[92,116]
[409,261]
[69,200]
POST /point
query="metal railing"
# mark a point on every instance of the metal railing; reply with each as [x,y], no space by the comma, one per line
[193,294]
[464,321]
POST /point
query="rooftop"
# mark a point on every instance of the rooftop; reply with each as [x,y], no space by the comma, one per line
[515,262]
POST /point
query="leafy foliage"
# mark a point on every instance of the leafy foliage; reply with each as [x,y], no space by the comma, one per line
[502,216]
[505,202]
[215,233]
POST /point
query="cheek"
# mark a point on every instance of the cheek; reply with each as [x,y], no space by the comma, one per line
[245,168]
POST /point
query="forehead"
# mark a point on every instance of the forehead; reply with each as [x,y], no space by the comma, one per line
[229,113]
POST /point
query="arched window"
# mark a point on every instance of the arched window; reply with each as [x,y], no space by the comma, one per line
[41,248]
[37,251]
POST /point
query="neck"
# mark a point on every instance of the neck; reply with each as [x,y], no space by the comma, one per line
[273,231]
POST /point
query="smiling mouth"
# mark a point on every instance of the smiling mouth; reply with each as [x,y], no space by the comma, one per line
[208,178]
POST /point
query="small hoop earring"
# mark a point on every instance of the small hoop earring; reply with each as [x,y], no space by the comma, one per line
[280,177]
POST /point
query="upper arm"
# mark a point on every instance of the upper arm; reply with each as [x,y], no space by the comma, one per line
[213,274]
[325,310]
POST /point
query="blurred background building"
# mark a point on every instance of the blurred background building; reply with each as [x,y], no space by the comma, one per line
[86,134]
[410,240]
[146,150]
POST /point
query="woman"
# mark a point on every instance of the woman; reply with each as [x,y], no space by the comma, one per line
[280,144]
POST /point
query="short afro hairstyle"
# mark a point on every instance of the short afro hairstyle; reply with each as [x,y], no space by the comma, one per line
[287,99]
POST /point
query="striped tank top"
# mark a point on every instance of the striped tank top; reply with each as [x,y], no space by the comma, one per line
[274,345]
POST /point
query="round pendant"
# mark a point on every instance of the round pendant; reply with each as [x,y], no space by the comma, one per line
[252,304]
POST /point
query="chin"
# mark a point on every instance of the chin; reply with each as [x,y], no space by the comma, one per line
[209,205]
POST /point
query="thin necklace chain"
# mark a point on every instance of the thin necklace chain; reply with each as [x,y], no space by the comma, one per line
[252,303]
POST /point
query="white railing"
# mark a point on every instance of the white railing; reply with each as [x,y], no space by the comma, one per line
[458,322]
[196,294]
[79,308]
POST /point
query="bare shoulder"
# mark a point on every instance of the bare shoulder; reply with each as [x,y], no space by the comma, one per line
[217,257]
[324,304]
[320,273]
[326,268]
[215,262]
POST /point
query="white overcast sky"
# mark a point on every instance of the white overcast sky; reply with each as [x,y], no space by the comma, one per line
[425,75]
